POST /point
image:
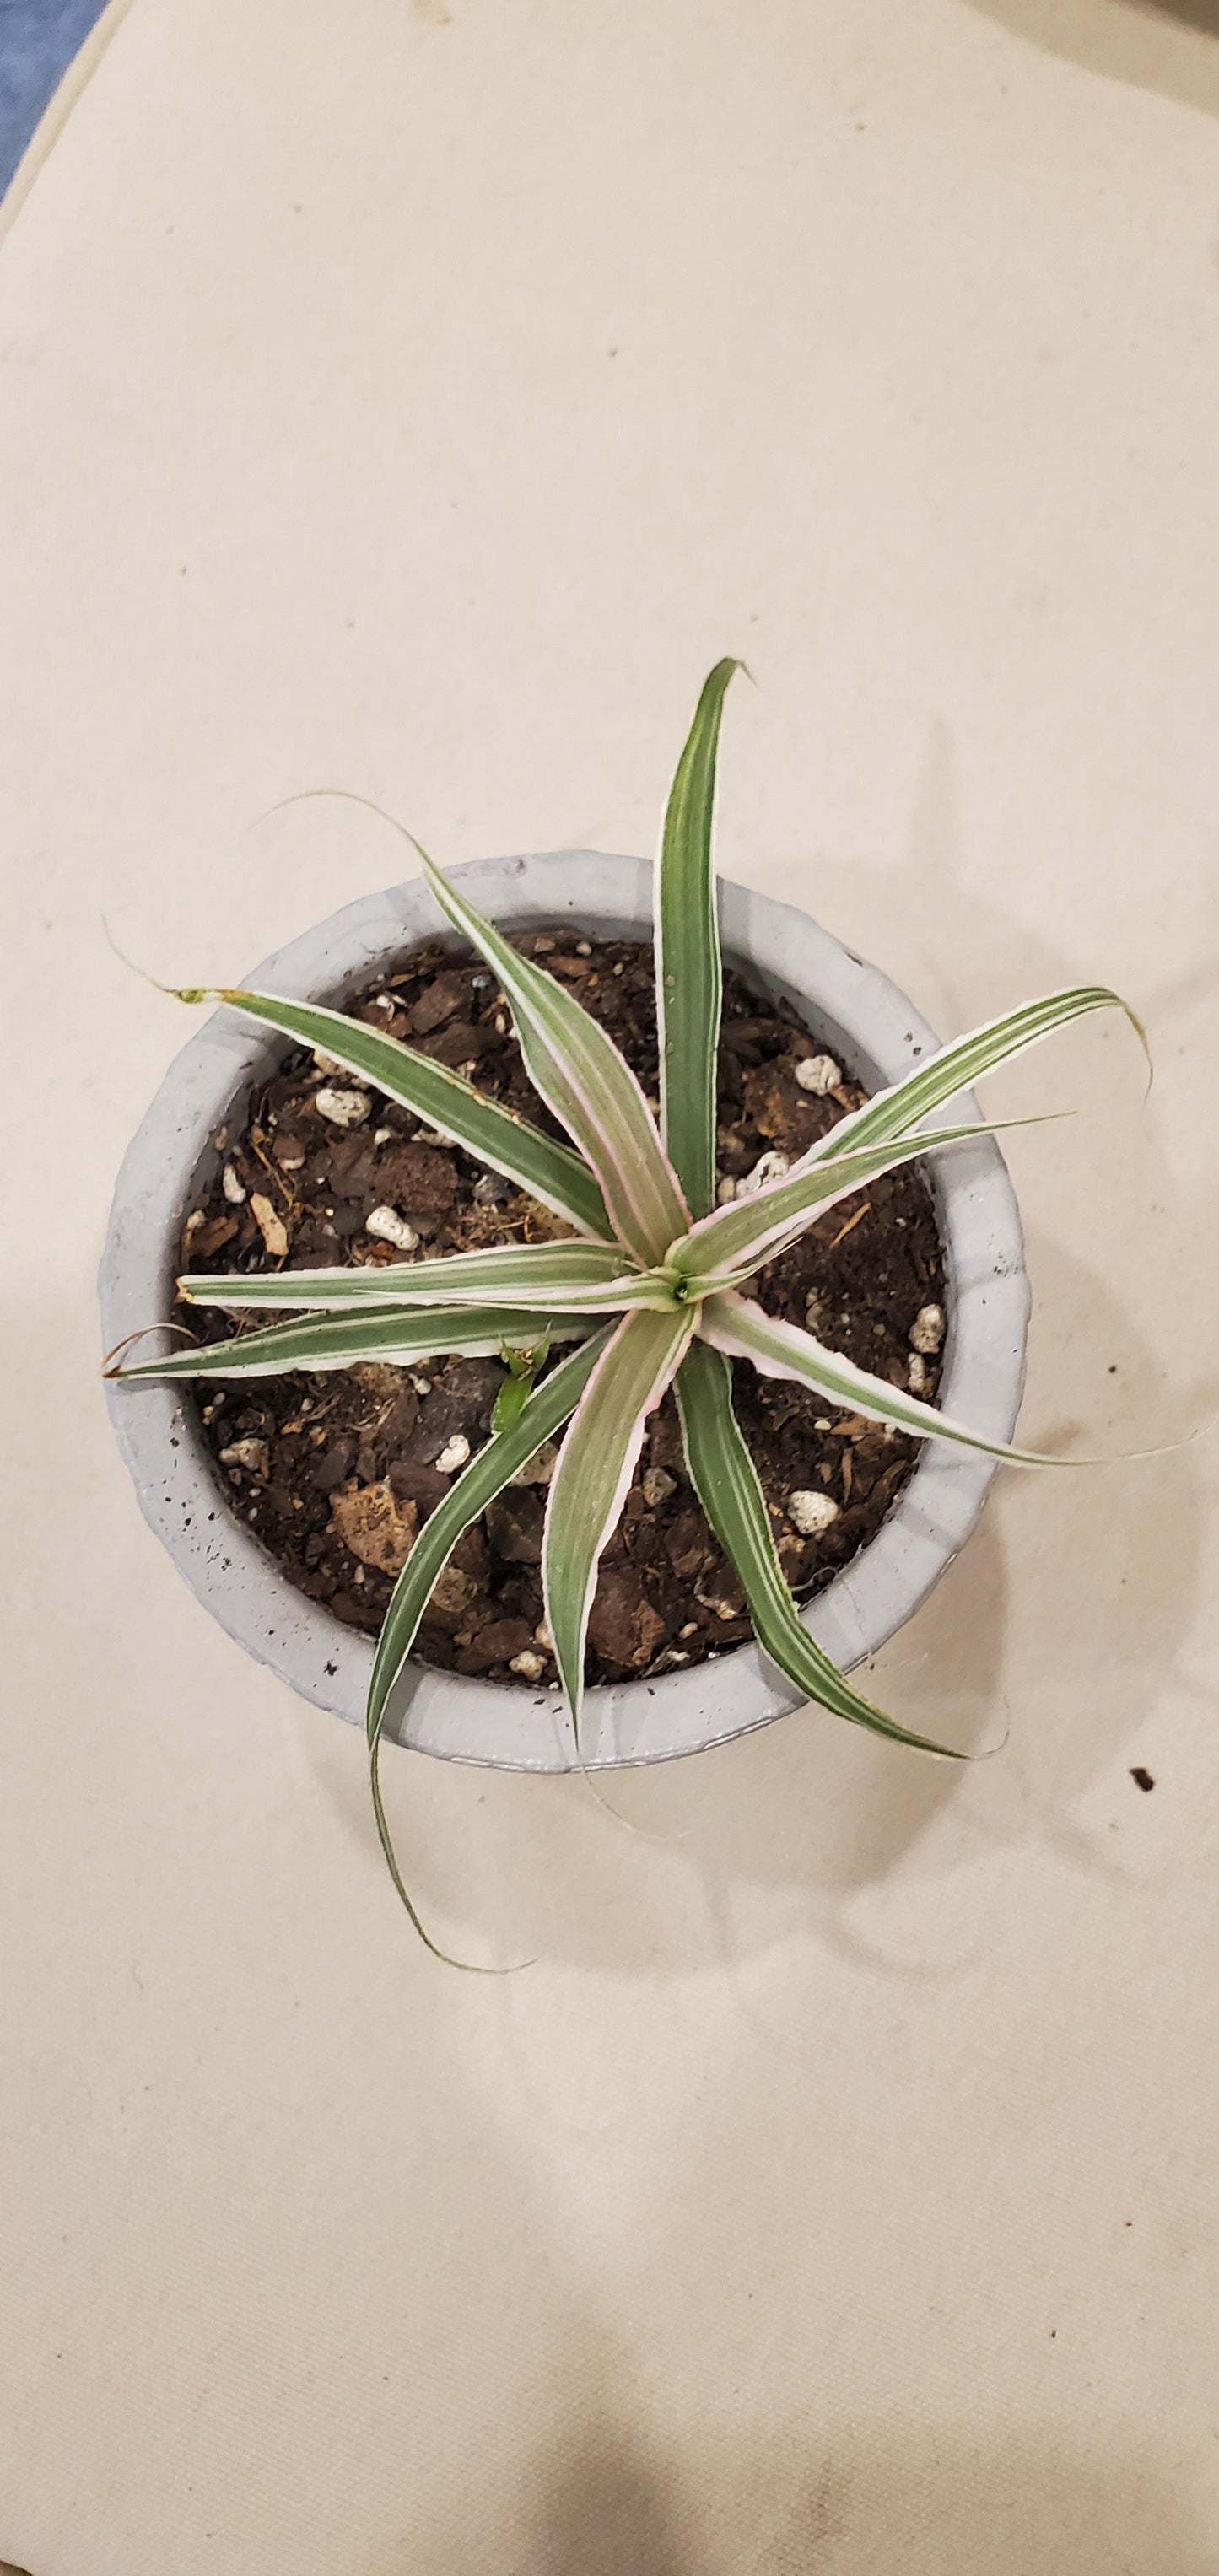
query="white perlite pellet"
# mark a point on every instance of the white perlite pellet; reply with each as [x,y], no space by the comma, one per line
[234,1190]
[818,1073]
[343,1108]
[916,1374]
[927,1330]
[810,1513]
[254,1455]
[527,1664]
[769,1167]
[389,1227]
[454,1454]
[726,1191]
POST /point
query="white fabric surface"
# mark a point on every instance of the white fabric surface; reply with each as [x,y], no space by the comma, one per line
[419,398]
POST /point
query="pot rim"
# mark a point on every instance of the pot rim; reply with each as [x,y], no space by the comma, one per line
[874,1030]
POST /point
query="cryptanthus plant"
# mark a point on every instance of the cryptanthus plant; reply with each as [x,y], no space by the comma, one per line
[650,1286]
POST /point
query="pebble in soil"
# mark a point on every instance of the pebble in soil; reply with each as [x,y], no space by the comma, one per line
[336,1472]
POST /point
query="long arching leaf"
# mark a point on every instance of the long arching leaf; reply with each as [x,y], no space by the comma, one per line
[544,1413]
[963,1062]
[579,1277]
[726,1247]
[339,1341]
[580,1075]
[689,974]
[726,1482]
[550,1172]
[738,1326]
[596,1463]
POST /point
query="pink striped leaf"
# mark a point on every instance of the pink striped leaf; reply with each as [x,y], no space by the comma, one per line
[725,1248]
[550,1172]
[575,1278]
[739,1328]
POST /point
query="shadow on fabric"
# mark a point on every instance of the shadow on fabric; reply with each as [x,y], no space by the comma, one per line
[1146,43]
[936,2507]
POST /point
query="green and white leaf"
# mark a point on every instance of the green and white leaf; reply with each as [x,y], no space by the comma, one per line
[549,1171]
[726,1482]
[725,1248]
[545,1412]
[739,1327]
[963,1062]
[580,1277]
[689,973]
[398,1336]
[582,1077]
[596,1463]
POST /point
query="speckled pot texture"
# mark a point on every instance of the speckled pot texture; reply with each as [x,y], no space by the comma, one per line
[871,1029]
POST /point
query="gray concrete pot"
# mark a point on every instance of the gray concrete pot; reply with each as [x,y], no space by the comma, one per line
[873,1031]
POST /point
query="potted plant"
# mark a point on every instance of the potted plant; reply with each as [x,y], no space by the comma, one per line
[615,1259]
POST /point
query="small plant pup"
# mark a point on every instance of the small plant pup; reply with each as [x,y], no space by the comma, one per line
[649,1287]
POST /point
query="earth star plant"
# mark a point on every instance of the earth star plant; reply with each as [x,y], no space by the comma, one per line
[648,1285]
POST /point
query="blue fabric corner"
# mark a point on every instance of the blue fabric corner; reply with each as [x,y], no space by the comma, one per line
[38,39]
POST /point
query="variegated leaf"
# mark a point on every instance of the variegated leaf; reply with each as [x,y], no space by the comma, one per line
[963,1062]
[544,1413]
[550,1172]
[689,975]
[738,1326]
[723,1249]
[596,1463]
[401,1337]
[572,1277]
[726,1482]
[580,1075]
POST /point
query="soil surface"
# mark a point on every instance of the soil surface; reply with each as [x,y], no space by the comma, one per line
[335,1472]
